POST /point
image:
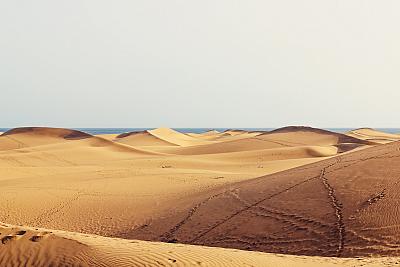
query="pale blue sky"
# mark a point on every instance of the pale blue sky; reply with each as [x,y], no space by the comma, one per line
[208,63]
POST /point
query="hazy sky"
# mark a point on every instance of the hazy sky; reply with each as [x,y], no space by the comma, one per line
[208,63]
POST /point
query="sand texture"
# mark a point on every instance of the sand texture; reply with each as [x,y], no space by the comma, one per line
[25,246]
[71,198]
[374,135]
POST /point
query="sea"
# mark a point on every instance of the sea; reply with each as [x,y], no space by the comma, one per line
[201,130]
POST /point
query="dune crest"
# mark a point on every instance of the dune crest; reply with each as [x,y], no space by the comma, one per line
[280,138]
[144,138]
[309,135]
[37,136]
[47,131]
[370,134]
[175,137]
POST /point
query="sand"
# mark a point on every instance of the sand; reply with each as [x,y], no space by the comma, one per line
[374,135]
[26,246]
[95,185]
[162,185]
[177,138]
[145,138]
[345,206]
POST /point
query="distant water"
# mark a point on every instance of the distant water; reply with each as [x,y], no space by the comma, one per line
[201,130]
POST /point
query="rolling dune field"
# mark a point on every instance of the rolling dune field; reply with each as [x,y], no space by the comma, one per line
[295,196]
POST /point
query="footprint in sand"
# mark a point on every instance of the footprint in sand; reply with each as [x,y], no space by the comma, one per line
[22,232]
[39,237]
[17,235]
[36,238]
[8,238]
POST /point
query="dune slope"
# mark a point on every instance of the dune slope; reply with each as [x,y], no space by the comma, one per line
[280,138]
[177,138]
[23,246]
[311,136]
[145,138]
[344,206]
[94,185]
[374,135]
[36,136]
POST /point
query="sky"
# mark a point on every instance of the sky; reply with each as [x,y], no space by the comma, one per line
[208,63]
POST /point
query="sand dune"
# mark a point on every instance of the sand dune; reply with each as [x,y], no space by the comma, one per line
[310,136]
[207,134]
[29,137]
[110,137]
[176,138]
[229,137]
[90,181]
[103,187]
[243,144]
[348,208]
[145,138]
[234,131]
[224,136]
[374,135]
[281,153]
[36,136]
[281,138]
[48,132]
[124,186]
[164,137]
[53,146]
[24,246]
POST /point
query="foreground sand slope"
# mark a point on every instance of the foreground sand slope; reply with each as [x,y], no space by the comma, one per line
[23,246]
[344,206]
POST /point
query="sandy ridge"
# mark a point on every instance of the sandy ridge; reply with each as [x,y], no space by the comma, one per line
[120,187]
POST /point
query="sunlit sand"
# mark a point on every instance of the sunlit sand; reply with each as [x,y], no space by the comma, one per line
[296,196]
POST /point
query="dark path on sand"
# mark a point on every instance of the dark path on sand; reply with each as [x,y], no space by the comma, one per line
[344,206]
